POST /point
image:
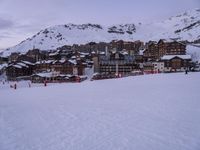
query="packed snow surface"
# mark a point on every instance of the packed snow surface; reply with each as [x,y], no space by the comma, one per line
[150,112]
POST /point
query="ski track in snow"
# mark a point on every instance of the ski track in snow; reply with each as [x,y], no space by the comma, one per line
[145,112]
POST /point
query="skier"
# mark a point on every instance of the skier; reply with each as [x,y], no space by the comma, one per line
[186,71]
[45,83]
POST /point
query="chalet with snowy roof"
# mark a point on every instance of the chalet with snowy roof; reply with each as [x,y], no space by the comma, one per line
[19,69]
[50,77]
[63,66]
[43,65]
[54,55]
[56,77]
[174,63]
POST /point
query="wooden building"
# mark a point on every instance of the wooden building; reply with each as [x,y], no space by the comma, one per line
[19,69]
[171,48]
[43,66]
[151,52]
[49,77]
[175,63]
[131,47]
[62,66]
[55,77]
[155,51]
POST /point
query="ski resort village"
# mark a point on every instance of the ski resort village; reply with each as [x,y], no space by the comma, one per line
[100,61]
[95,87]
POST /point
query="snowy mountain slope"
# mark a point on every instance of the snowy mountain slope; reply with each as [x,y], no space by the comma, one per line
[57,36]
[184,27]
[194,52]
[103,115]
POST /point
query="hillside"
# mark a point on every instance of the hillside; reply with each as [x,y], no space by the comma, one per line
[185,26]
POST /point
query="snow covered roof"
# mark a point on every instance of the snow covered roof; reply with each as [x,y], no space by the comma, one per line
[73,57]
[62,60]
[102,53]
[50,74]
[2,66]
[124,53]
[17,66]
[28,63]
[90,61]
[72,61]
[69,75]
[82,53]
[168,57]
[53,54]
[22,64]
[141,52]
[48,61]
[166,40]
[44,62]
[82,56]
[96,73]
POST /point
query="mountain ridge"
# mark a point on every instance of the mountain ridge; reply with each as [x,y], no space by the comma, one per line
[185,26]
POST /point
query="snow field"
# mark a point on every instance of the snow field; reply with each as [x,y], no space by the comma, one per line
[145,112]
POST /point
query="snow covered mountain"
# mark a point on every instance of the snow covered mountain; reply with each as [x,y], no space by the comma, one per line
[185,26]
[57,36]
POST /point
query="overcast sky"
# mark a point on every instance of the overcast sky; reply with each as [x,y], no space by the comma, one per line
[20,19]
